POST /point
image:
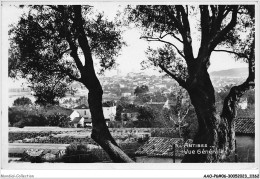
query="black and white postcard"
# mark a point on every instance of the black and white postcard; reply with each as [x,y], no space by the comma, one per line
[155,85]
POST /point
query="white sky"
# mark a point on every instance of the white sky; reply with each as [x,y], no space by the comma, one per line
[131,55]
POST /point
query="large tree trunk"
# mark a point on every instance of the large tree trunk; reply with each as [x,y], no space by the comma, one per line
[203,99]
[100,132]
[217,132]
[229,111]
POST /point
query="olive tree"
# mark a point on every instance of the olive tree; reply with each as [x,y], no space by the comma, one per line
[62,40]
[217,26]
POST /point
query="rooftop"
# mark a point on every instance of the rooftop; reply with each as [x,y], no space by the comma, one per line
[245,125]
[162,147]
[83,106]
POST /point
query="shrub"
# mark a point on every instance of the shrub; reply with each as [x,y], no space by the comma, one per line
[58,119]
[79,153]
[22,101]
[21,116]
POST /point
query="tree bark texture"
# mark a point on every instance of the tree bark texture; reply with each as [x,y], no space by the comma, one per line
[203,99]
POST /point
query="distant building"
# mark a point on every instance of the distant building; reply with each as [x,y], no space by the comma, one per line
[161,150]
[109,111]
[74,114]
[78,122]
[243,103]
[245,139]
[81,116]
[83,110]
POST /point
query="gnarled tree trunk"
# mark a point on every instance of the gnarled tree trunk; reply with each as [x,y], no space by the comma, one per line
[100,132]
[203,99]
[217,132]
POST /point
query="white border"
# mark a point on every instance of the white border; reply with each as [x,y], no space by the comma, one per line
[151,170]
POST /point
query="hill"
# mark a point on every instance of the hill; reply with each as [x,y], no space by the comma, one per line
[233,72]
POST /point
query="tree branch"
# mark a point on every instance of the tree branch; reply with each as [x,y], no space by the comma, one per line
[186,113]
[150,39]
[219,36]
[179,80]
[173,35]
[74,55]
[82,38]
[73,77]
[186,36]
[205,23]
[241,55]
[175,20]
[67,72]
[218,19]
[63,52]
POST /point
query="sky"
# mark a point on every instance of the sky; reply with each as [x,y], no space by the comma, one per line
[131,55]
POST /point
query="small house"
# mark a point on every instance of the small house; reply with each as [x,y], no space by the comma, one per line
[161,150]
[109,111]
[245,139]
[81,116]
[243,103]
[78,122]
[83,111]
[74,114]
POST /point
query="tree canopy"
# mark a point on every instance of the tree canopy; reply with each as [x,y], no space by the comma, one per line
[62,40]
[39,49]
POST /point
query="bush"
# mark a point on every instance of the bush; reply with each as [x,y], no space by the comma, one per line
[79,153]
[14,136]
[58,120]
[22,101]
[21,116]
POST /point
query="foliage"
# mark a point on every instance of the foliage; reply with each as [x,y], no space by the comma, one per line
[248,112]
[47,137]
[124,100]
[58,120]
[79,153]
[142,98]
[250,95]
[158,96]
[49,93]
[146,116]
[141,90]
[41,116]
[22,101]
[41,42]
